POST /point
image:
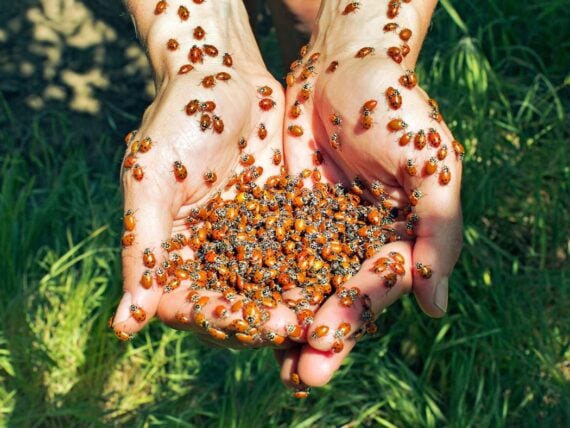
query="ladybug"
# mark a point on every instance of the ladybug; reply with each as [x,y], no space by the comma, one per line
[266,104]
[180,171]
[149,260]
[351,8]
[295,130]
[444,176]
[172,44]
[227,60]
[364,52]
[424,271]
[138,313]
[160,7]
[198,32]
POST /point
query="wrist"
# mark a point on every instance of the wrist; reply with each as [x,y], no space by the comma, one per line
[224,22]
[352,27]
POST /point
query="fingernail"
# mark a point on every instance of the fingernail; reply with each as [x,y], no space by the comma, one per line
[124,309]
[441,291]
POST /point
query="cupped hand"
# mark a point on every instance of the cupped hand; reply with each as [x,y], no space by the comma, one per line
[217,112]
[379,133]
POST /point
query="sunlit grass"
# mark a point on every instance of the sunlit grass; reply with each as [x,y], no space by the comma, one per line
[500,357]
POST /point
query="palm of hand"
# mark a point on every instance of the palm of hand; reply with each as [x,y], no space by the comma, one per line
[187,135]
[358,143]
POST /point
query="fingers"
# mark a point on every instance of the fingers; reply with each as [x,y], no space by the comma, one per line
[316,368]
[345,316]
[437,248]
[288,359]
[437,222]
[229,319]
[147,221]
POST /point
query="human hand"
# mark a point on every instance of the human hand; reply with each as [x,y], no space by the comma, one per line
[337,103]
[215,103]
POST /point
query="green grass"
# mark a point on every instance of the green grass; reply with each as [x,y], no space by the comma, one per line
[500,358]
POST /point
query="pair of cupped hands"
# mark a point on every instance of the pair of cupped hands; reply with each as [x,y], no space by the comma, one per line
[161,203]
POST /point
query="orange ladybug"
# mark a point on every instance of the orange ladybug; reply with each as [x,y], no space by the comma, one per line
[444,176]
[196,55]
[266,104]
[277,157]
[262,131]
[365,51]
[305,92]
[222,75]
[128,239]
[180,171]
[146,279]
[415,196]
[405,139]
[208,82]
[138,172]
[227,60]
[129,161]
[394,98]
[366,119]
[337,346]
[405,34]
[301,394]
[393,9]
[420,139]
[411,168]
[295,130]
[332,67]
[409,80]
[149,260]
[434,138]
[210,50]
[122,336]
[290,79]
[264,91]
[129,221]
[395,54]
[295,111]
[210,177]
[138,313]
[146,145]
[396,125]
[217,124]
[431,166]
[458,149]
[172,44]
[351,8]
[186,68]
[320,331]
[246,159]
[390,26]
[217,333]
[198,33]
[205,122]
[424,271]
[160,7]
[192,107]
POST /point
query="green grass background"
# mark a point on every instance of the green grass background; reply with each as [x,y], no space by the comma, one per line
[501,357]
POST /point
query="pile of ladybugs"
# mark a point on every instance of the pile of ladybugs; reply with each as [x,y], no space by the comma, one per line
[291,232]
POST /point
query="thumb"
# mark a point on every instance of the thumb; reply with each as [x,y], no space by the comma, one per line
[437,223]
[147,223]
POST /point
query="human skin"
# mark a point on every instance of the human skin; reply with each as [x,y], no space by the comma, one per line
[372,154]
[161,203]
[178,137]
